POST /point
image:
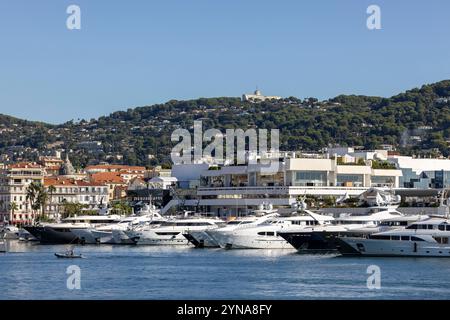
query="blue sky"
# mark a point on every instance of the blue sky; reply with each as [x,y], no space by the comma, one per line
[134,53]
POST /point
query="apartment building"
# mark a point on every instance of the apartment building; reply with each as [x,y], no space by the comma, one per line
[14,181]
[90,194]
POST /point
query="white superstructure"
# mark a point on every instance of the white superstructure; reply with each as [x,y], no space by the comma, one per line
[425,238]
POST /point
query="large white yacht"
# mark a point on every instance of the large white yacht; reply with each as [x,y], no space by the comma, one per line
[425,238]
[171,232]
[9,232]
[62,233]
[264,235]
[105,233]
[205,239]
[323,238]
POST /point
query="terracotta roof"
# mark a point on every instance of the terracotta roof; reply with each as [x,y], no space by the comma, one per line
[61,181]
[109,177]
[25,165]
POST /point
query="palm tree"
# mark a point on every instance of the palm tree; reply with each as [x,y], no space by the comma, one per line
[12,208]
[37,196]
[51,190]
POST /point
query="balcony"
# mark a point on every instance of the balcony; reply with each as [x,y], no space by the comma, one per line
[282,190]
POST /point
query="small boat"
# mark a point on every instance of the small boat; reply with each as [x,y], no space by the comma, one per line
[68,255]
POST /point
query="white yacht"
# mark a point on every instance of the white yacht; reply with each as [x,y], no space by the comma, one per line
[425,238]
[265,234]
[104,233]
[62,233]
[323,238]
[171,232]
[206,239]
[111,233]
[9,232]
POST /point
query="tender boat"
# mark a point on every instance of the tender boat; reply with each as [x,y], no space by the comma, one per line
[425,238]
[68,255]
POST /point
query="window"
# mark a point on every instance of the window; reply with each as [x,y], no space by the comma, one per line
[310,178]
[416,239]
[380,237]
[347,179]
[441,240]
[405,238]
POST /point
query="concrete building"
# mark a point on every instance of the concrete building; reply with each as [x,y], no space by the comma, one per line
[423,173]
[237,189]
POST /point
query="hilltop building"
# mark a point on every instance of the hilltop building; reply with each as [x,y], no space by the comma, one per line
[258,97]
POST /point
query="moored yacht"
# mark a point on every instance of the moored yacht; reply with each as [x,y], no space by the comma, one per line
[265,234]
[207,238]
[171,232]
[425,238]
[221,235]
[62,233]
[323,238]
[112,233]
[9,232]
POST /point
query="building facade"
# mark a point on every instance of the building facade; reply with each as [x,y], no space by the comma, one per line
[14,181]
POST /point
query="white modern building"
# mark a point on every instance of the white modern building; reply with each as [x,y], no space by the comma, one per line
[257,96]
[237,189]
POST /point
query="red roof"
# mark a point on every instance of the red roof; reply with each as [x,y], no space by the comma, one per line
[107,177]
[60,181]
[25,165]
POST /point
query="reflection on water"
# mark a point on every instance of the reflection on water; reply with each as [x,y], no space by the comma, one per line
[31,271]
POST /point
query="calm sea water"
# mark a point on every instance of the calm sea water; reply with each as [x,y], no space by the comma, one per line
[31,271]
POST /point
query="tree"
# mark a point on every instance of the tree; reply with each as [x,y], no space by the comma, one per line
[121,208]
[12,208]
[37,196]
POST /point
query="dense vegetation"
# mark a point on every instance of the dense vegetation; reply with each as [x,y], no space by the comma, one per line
[417,121]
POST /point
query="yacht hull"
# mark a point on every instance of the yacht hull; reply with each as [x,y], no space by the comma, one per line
[351,246]
[201,239]
[48,235]
[312,242]
[120,237]
[89,236]
[232,240]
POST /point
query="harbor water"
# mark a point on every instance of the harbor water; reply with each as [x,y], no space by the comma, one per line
[31,271]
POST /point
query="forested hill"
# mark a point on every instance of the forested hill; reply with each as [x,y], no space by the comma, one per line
[417,121]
